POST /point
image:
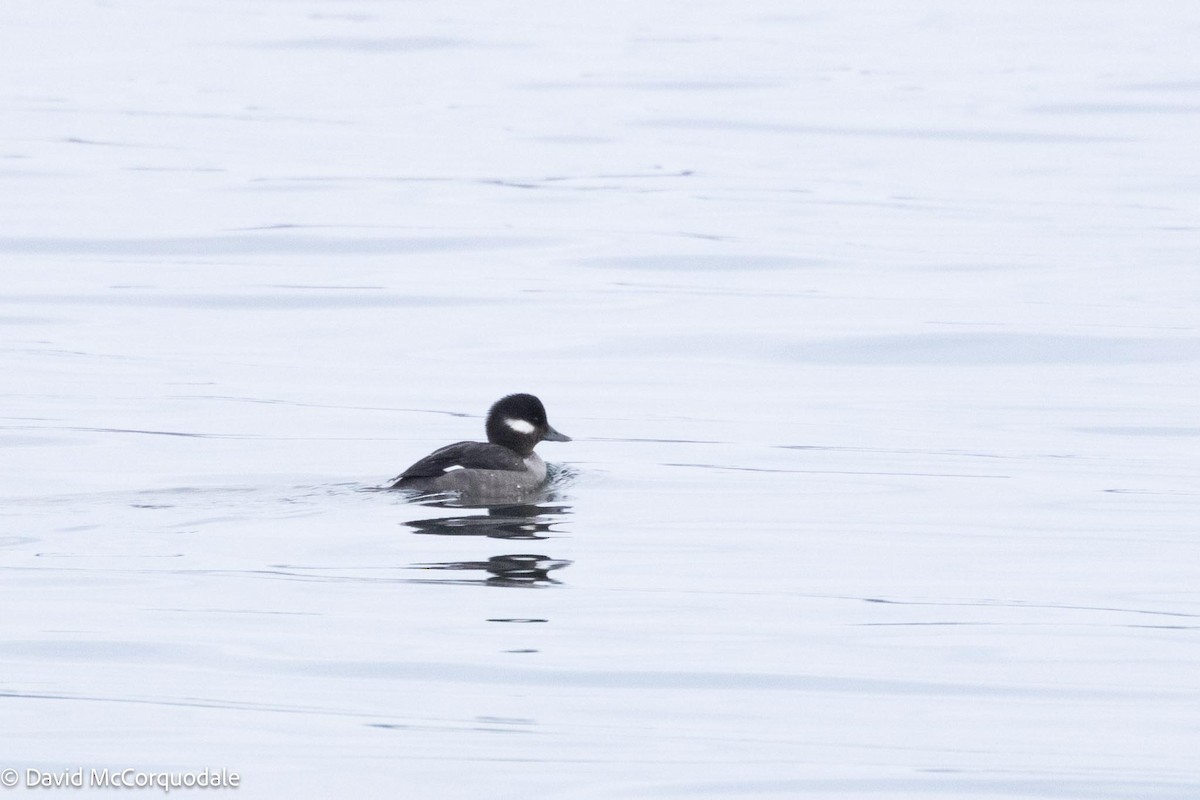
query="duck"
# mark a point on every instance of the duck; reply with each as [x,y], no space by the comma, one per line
[503,466]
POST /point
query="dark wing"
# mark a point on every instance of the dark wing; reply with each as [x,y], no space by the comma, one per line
[468,455]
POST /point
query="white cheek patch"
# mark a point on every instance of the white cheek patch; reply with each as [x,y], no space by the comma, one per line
[519,425]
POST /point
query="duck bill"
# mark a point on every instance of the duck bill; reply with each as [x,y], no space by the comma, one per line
[552,435]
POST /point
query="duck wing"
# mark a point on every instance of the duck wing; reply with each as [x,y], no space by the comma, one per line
[464,455]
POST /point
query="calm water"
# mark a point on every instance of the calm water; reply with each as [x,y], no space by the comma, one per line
[875,329]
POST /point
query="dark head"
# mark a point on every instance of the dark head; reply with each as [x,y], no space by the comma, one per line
[519,422]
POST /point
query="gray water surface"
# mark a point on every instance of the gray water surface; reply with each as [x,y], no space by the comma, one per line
[874,327]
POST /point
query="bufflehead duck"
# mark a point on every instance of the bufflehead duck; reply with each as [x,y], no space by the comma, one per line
[504,466]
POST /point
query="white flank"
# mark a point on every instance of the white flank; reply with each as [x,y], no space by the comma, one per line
[519,425]
[453,467]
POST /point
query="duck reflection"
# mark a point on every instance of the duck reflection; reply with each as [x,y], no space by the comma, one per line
[524,521]
[498,522]
[518,569]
